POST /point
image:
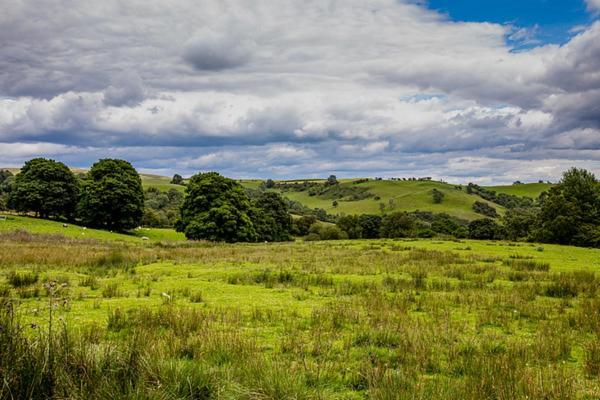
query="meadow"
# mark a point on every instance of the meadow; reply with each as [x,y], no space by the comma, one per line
[87,318]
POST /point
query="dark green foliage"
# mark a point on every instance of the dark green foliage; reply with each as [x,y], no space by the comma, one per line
[331,180]
[161,209]
[485,228]
[437,196]
[570,211]
[269,184]
[505,200]
[302,225]
[46,187]
[398,225]
[177,180]
[6,180]
[484,209]
[216,208]
[271,218]
[370,225]
[320,231]
[519,222]
[351,225]
[112,196]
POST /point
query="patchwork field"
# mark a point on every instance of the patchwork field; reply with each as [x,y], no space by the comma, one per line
[381,319]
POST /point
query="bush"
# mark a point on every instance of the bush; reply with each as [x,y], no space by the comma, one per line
[484,209]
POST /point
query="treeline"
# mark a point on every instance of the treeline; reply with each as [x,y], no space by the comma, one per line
[216,208]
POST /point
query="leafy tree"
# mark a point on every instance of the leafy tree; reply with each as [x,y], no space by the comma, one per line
[270,183]
[303,224]
[177,180]
[370,226]
[437,196]
[161,209]
[112,196]
[320,231]
[271,218]
[519,222]
[6,180]
[332,180]
[46,187]
[570,211]
[397,225]
[484,209]
[334,203]
[485,228]
[216,208]
[351,225]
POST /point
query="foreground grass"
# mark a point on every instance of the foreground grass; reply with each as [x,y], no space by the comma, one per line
[382,319]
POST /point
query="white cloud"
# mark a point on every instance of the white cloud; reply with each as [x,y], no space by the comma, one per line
[358,85]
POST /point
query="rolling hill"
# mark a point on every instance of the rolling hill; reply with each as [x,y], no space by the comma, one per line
[395,195]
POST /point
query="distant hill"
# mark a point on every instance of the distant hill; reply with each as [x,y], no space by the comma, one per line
[395,195]
[405,196]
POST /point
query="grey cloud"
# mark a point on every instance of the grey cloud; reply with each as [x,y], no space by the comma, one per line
[213,51]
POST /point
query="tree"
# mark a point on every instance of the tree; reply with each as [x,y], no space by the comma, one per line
[271,218]
[334,203]
[177,180]
[351,225]
[216,208]
[519,222]
[570,211]
[370,226]
[112,196]
[397,225]
[269,184]
[303,224]
[46,187]
[437,196]
[332,180]
[485,228]
[484,209]
[6,181]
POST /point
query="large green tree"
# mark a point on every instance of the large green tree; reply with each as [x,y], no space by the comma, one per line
[45,187]
[570,212]
[112,196]
[216,208]
[271,218]
[397,225]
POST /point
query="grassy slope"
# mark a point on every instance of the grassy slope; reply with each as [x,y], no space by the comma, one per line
[532,190]
[35,225]
[408,196]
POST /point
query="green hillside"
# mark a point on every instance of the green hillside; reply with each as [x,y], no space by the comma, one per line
[406,196]
[10,223]
[532,190]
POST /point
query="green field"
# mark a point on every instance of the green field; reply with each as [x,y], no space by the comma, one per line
[531,190]
[380,319]
[10,223]
[406,195]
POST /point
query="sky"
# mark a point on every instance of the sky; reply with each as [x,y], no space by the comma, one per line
[464,91]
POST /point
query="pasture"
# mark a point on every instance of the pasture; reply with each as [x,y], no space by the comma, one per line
[380,319]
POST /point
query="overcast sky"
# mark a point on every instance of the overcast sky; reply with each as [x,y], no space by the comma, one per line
[300,88]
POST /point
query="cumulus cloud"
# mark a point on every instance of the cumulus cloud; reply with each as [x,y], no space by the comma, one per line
[378,86]
[593,5]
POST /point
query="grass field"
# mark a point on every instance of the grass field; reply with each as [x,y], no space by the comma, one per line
[531,190]
[381,319]
[10,222]
[406,196]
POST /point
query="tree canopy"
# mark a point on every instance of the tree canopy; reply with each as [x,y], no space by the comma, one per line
[216,208]
[45,187]
[112,196]
[570,212]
